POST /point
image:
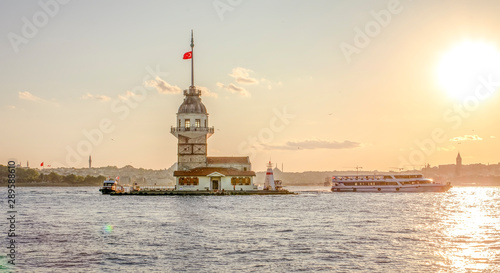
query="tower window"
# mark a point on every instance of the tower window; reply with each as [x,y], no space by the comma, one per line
[197,123]
[187,123]
[179,123]
[205,123]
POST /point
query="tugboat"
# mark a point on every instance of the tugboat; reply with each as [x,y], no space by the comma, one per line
[110,186]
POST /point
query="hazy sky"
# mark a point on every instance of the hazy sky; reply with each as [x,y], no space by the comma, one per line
[316,85]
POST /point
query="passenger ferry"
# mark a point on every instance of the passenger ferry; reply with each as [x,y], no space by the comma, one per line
[387,183]
[110,186]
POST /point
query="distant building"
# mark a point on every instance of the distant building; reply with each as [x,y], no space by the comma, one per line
[458,168]
[90,162]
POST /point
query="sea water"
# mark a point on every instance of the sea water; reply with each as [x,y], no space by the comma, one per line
[81,230]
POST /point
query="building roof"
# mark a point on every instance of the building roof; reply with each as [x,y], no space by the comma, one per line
[228,160]
[204,171]
[192,102]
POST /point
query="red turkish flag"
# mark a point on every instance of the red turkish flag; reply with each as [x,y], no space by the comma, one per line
[188,55]
[41,165]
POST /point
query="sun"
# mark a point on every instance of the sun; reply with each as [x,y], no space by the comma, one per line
[460,69]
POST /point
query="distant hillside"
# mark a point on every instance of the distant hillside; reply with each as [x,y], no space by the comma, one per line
[472,175]
[320,177]
[295,179]
[89,176]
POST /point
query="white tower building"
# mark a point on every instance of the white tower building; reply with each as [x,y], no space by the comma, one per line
[192,129]
[269,182]
[195,170]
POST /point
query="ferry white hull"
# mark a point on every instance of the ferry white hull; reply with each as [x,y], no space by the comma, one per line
[400,188]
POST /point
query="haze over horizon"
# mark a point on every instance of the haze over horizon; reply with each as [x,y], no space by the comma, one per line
[316,85]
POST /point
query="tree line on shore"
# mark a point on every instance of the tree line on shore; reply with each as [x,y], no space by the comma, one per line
[27,176]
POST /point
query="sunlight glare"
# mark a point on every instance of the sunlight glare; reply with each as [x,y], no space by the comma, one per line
[459,70]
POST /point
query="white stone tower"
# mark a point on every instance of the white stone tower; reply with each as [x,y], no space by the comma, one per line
[458,167]
[191,128]
[269,182]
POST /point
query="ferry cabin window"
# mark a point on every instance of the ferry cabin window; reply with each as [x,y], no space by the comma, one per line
[197,123]
[187,123]
[416,182]
[370,183]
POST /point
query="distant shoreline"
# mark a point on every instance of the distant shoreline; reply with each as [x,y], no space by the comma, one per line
[44,185]
[63,185]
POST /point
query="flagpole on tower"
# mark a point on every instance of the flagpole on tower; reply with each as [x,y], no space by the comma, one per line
[192,62]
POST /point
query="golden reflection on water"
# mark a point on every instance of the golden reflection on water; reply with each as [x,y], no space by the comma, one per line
[470,230]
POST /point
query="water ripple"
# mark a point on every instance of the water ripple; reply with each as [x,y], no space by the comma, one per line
[79,230]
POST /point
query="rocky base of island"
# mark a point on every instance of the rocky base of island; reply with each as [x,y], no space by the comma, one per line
[197,193]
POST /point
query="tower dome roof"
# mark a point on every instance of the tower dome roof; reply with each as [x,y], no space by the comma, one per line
[192,103]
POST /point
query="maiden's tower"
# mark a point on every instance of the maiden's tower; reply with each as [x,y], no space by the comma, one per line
[196,171]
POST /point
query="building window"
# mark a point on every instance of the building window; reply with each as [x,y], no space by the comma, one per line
[187,123]
[205,123]
[179,123]
[197,123]
[240,181]
[188,181]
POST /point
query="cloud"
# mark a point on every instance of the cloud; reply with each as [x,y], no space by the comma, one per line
[11,106]
[206,92]
[100,98]
[447,148]
[128,94]
[466,138]
[234,89]
[242,75]
[269,84]
[28,96]
[493,137]
[315,144]
[163,87]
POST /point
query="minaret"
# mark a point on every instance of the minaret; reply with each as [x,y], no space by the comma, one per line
[90,162]
[192,129]
[459,165]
